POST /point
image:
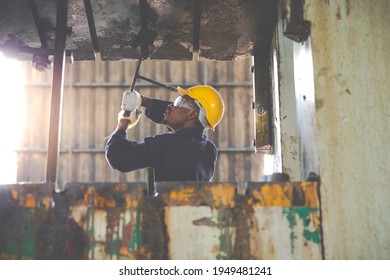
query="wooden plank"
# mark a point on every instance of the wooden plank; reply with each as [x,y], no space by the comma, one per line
[100,123]
[36,131]
[85,105]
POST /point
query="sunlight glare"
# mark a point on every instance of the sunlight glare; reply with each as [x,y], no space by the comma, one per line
[11,117]
[268,164]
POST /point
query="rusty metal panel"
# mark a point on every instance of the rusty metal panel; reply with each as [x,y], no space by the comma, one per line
[286,221]
[199,220]
[184,221]
[107,217]
[23,210]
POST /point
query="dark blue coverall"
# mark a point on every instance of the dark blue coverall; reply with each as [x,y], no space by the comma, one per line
[183,156]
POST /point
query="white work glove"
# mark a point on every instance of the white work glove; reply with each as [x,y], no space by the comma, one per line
[133,119]
[131,100]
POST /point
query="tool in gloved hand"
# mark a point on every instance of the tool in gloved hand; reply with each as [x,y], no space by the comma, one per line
[131,107]
[133,118]
[130,98]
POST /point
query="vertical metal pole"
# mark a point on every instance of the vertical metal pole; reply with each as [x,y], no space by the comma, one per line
[57,91]
[150,181]
[262,88]
[262,85]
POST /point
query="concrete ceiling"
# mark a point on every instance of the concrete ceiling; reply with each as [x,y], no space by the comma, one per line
[215,29]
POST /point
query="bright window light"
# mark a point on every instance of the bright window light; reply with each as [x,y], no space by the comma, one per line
[268,164]
[11,117]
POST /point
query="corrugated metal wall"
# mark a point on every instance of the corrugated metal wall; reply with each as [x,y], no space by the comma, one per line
[92,98]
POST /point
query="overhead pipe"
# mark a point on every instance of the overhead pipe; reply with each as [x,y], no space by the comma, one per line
[197,11]
[91,25]
[37,21]
[57,92]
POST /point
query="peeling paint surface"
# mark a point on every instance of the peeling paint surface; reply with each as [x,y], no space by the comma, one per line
[213,194]
[286,221]
[185,221]
[23,209]
[111,222]
[197,229]
[353,124]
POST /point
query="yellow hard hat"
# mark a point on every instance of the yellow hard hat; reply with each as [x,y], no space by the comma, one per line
[210,103]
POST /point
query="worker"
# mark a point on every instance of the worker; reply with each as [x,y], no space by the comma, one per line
[184,153]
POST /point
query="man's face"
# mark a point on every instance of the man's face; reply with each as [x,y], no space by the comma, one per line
[178,113]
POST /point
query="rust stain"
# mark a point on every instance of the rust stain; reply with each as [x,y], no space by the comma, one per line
[128,236]
[124,251]
[338,13]
[30,201]
[311,194]
[215,249]
[47,202]
[88,195]
[14,194]
[117,197]
[182,194]
[286,195]
[120,188]
[131,201]
[212,194]
[346,9]
[101,201]
[223,196]
[273,195]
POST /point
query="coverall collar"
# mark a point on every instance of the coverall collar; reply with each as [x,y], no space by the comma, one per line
[195,132]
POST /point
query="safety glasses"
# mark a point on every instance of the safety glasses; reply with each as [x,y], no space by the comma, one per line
[183,103]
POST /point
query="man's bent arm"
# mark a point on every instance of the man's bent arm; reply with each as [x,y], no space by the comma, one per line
[125,155]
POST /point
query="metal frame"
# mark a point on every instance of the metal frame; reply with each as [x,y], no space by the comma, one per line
[294,25]
[57,92]
[262,80]
[91,25]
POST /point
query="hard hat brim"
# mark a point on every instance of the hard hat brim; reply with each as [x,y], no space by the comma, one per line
[181,91]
